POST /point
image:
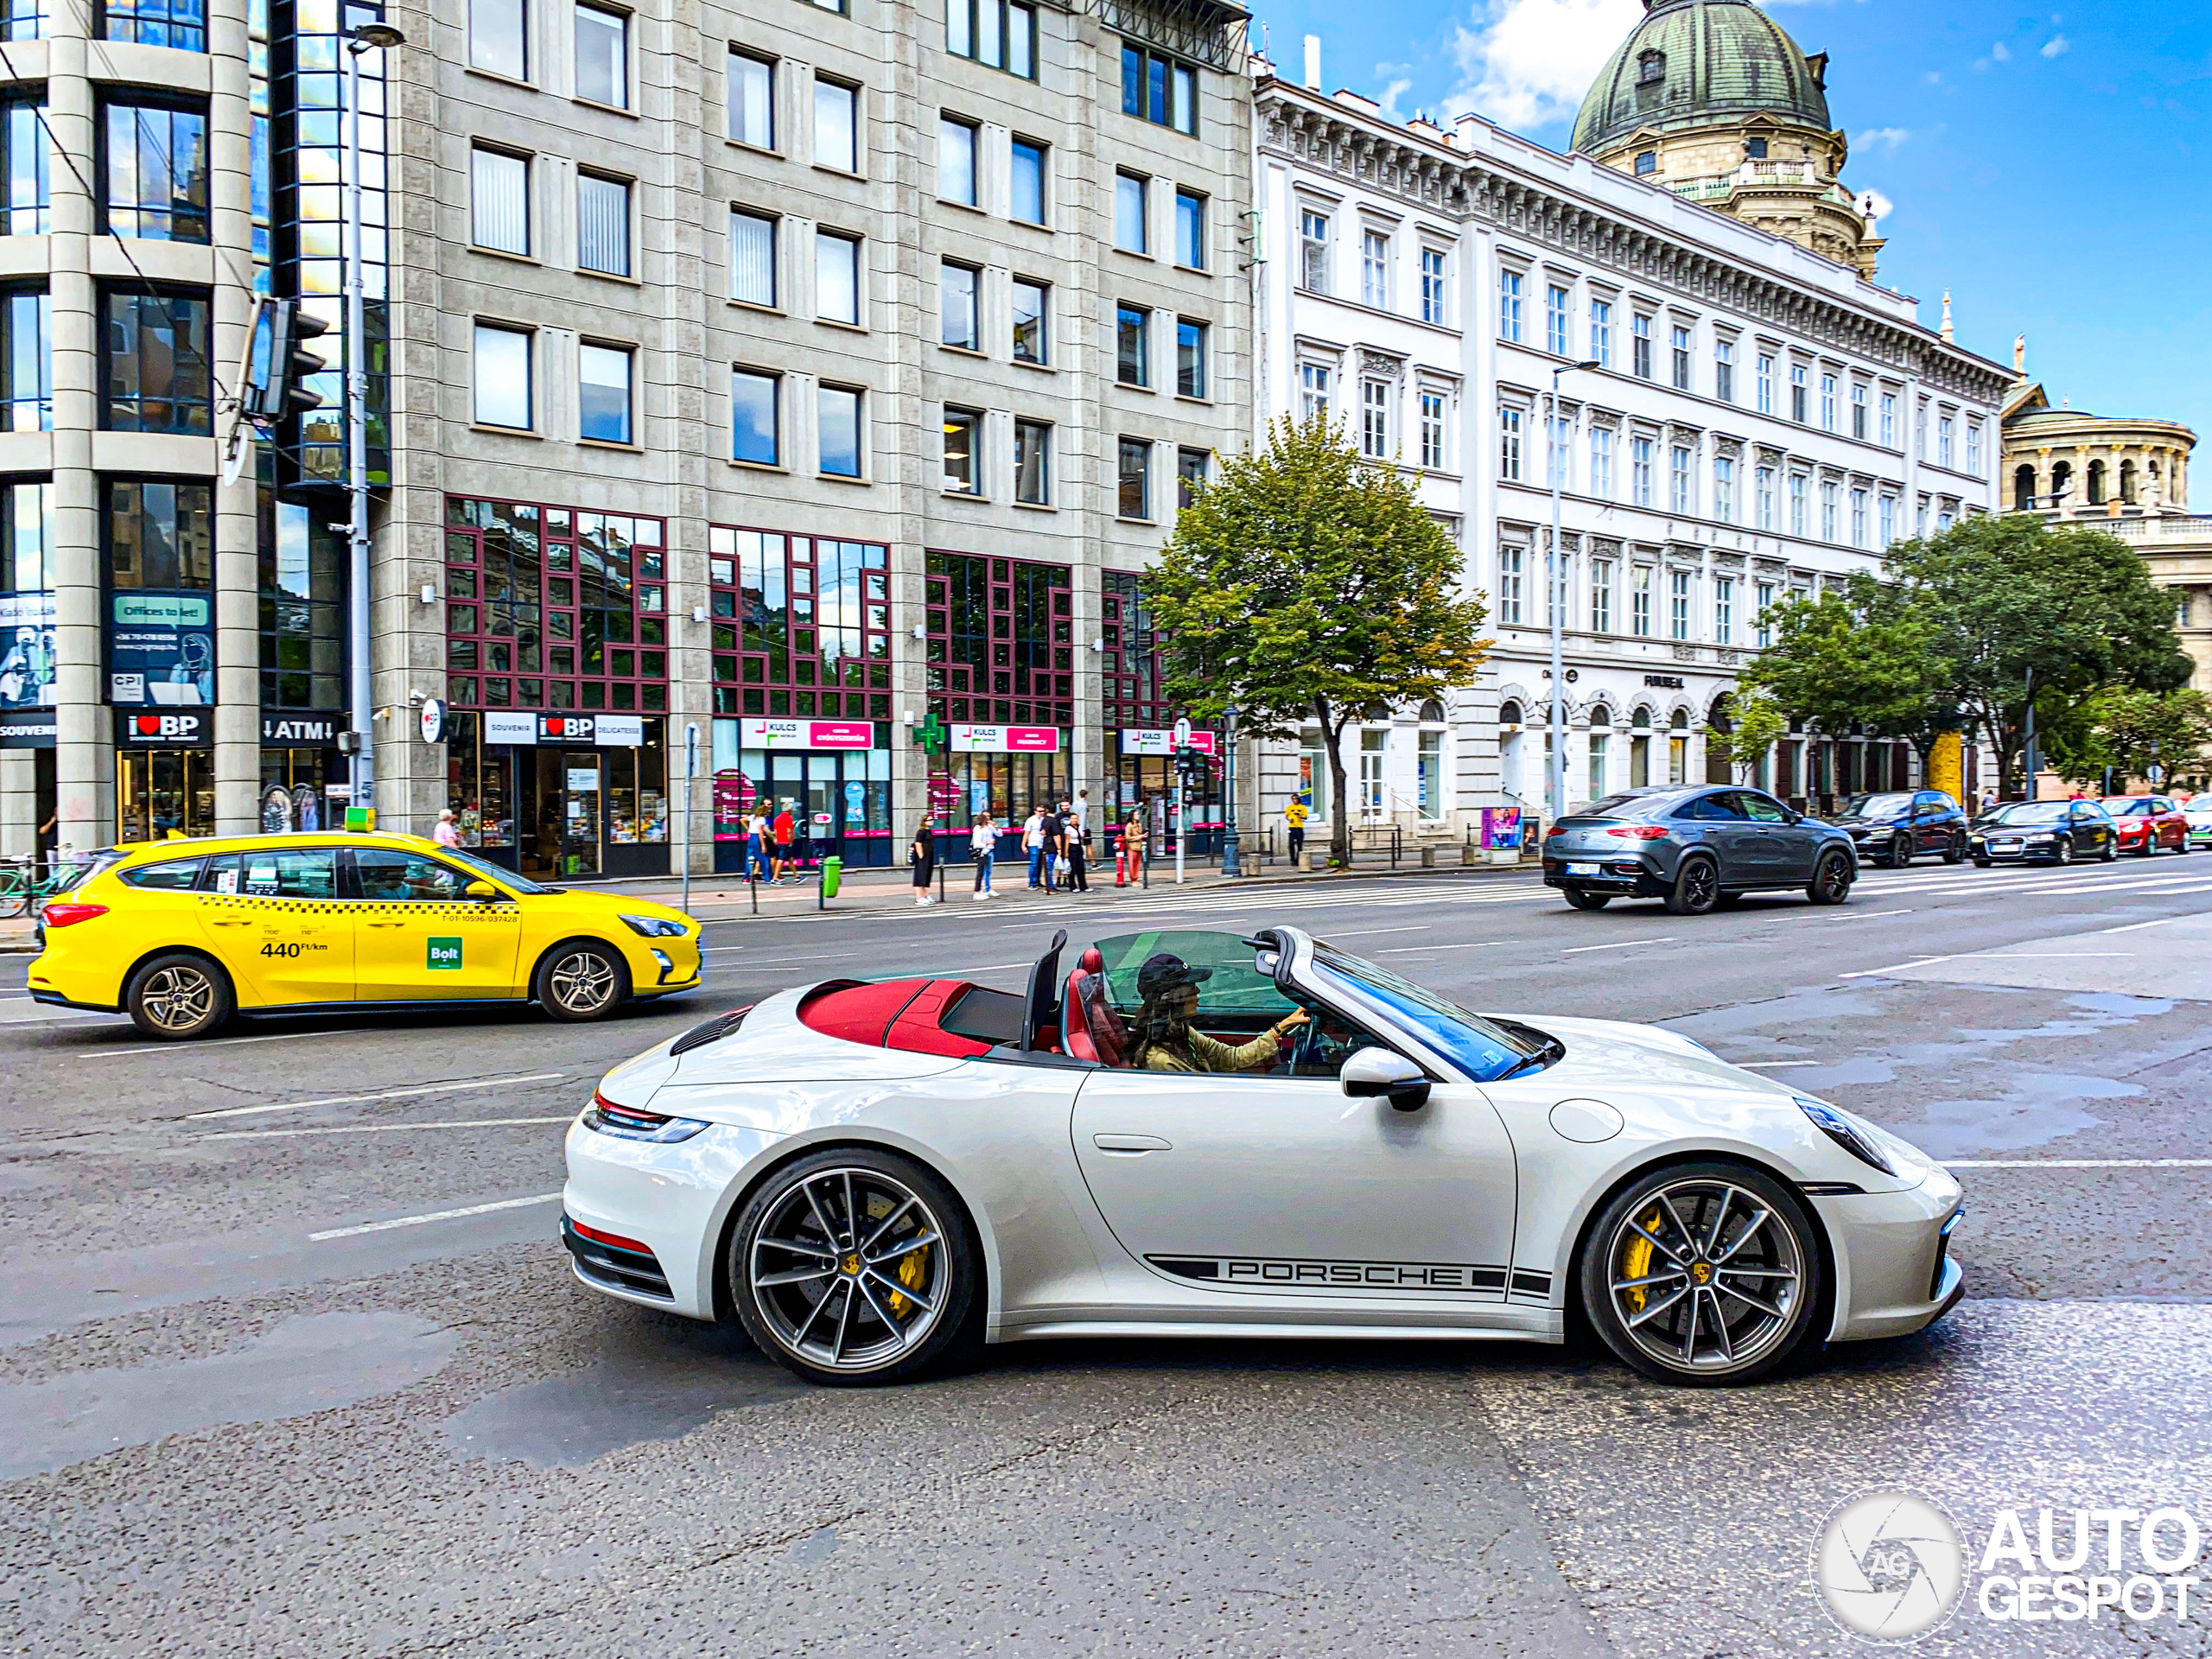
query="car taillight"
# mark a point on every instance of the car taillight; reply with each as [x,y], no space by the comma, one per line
[1556,829]
[631,1124]
[64,913]
[1641,832]
[615,1240]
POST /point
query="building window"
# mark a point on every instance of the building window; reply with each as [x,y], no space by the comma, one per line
[1646,163]
[812,618]
[1555,320]
[1763,634]
[1943,425]
[1797,504]
[499,37]
[754,399]
[1509,305]
[1375,269]
[1920,428]
[154,364]
[1133,498]
[1763,491]
[752,100]
[1190,471]
[836,126]
[1724,371]
[1639,601]
[1830,501]
[1678,481]
[1431,431]
[1681,358]
[181,24]
[960,321]
[1558,439]
[1032,326]
[1724,489]
[1678,604]
[1763,380]
[302,560]
[1509,444]
[1639,329]
[1639,471]
[1601,334]
[498,200]
[1375,420]
[1827,403]
[1889,421]
[998,630]
[752,257]
[1190,230]
[157,164]
[1601,595]
[603,224]
[502,377]
[963,428]
[1435,292]
[1313,392]
[955,161]
[837,424]
[1858,412]
[1026,195]
[1724,610]
[836,277]
[1130,229]
[22,136]
[26,366]
[603,392]
[1973,462]
[1601,462]
[1858,517]
[1797,393]
[159,534]
[1033,463]
[1190,358]
[1001,33]
[1313,250]
[1159,89]
[1886,519]
[1510,579]
[1132,347]
[603,57]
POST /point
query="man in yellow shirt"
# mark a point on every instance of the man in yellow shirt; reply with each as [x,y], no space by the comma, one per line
[1294,815]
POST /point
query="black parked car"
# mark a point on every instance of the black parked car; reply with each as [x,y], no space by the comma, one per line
[1696,848]
[2053,832]
[1896,827]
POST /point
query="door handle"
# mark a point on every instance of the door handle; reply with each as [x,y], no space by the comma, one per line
[384,924]
[1131,1146]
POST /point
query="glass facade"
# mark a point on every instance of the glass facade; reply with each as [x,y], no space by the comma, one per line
[802,626]
[302,614]
[179,24]
[26,361]
[23,152]
[153,163]
[154,364]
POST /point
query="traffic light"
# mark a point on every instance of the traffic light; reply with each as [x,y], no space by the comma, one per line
[277,367]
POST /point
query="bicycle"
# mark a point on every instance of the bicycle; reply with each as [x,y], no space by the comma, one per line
[23,890]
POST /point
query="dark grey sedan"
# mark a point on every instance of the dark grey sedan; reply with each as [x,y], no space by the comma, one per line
[1695,848]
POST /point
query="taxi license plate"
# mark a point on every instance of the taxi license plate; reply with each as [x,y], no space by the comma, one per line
[1582,869]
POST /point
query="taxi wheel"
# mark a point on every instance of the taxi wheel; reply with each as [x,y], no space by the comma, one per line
[582,979]
[179,996]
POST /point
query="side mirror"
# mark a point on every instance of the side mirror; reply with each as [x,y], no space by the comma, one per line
[483,892]
[1381,1071]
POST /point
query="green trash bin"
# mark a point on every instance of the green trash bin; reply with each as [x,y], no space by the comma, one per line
[833,871]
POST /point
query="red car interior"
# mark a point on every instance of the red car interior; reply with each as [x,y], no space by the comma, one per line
[924,1016]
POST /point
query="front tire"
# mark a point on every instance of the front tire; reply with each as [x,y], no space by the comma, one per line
[1981,863]
[2063,852]
[582,979]
[1831,883]
[1703,1274]
[1582,901]
[1696,889]
[178,996]
[1900,852]
[1955,851]
[856,1267]
[2111,853]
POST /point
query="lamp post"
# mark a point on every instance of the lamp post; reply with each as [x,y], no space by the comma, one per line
[1555,465]
[1229,865]
[371,33]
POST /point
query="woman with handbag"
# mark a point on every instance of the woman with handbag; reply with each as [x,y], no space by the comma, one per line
[921,858]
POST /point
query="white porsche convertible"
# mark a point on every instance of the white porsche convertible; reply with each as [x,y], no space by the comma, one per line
[1196,1134]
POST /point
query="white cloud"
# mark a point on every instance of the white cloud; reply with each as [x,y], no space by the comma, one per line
[2001,51]
[2056,45]
[1393,90]
[1880,206]
[1881,138]
[1523,63]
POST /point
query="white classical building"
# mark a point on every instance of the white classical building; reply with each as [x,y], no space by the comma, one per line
[1761,420]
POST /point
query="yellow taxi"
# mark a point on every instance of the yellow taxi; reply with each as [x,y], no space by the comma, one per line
[180,935]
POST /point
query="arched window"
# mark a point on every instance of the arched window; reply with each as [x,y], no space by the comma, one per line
[2023,489]
[1651,66]
[1509,713]
[1680,722]
[2061,482]
[2127,482]
[2096,483]
[1601,715]
[1640,720]
[1431,713]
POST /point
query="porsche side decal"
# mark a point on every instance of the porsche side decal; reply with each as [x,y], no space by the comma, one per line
[1237,1272]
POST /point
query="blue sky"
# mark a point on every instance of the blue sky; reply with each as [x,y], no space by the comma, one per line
[2052,169]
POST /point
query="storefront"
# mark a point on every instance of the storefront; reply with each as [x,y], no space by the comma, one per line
[1144,772]
[1001,769]
[834,776]
[561,794]
[164,774]
[300,768]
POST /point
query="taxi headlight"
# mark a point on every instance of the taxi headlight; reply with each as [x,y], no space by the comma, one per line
[656,927]
[1842,1128]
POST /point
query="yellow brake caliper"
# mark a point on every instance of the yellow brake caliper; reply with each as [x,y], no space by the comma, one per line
[1635,1260]
[912,1266]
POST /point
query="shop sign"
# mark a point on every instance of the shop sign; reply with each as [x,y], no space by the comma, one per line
[161,649]
[434,720]
[28,728]
[1664,681]
[604,731]
[808,734]
[298,731]
[510,727]
[27,652]
[174,729]
[1006,740]
[1161,740]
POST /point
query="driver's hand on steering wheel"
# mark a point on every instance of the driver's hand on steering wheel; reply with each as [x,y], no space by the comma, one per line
[1291,1022]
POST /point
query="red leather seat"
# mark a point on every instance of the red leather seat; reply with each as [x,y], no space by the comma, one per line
[1092,1024]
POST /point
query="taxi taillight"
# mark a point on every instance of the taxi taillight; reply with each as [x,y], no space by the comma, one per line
[62,912]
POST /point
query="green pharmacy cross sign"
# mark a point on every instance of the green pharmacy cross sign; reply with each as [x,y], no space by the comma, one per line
[932,734]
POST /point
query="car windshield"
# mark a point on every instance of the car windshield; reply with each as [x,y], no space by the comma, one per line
[506,878]
[1877,806]
[2030,812]
[2121,808]
[1484,1049]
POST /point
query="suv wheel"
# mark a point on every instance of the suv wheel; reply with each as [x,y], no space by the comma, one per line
[1900,851]
[1954,850]
[1696,889]
[1831,883]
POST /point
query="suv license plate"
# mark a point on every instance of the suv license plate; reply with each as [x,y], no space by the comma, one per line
[1582,869]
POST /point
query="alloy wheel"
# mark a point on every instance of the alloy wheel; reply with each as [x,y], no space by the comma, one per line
[582,981]
[849,1268]
[2065,853]
[1900,853]
[1705,1276]
[1832,882]
[178,997]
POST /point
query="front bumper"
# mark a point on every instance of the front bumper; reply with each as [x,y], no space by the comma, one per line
[2027,853]
[1894,1270]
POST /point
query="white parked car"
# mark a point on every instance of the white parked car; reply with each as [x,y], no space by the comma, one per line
[1196,1134]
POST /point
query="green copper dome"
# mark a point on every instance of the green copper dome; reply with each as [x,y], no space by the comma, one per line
[1691,61]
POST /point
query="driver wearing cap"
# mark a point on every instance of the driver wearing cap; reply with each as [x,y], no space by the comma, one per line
[1163,1041]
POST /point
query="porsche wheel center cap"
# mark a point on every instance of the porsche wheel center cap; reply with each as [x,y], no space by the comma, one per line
[1700,1272]
[851,1265]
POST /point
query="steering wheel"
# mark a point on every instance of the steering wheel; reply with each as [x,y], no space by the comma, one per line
[1314,1052]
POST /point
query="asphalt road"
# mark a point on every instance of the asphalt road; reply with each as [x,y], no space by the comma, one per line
[290,1362]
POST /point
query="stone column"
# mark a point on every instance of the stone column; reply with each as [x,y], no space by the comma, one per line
[237,579]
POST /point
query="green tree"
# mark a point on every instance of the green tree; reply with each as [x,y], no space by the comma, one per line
[1756,723]
[1857,657]
[1304,584]
[2126,731]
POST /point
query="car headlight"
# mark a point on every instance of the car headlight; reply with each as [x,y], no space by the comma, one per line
[656,927]
[2043,834]
[1840,1127]
[629,1123]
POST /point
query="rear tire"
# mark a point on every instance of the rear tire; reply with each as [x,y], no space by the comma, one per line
[178,996]
[581,979]
[1955,852]
[1582,901]
[1831,883]
[1696,889]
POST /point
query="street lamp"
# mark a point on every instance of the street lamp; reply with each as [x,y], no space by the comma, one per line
[1229,865]
[368,33]
[1556,464]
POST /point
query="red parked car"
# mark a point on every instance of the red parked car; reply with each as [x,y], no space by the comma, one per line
[2148,824]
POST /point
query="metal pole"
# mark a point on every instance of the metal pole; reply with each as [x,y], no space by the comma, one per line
[1182,828]
[1231,864]
[1555,465]
[357,450]
[690,769]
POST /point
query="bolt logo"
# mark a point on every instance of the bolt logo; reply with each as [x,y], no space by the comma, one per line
[1888,1565]
[444,953]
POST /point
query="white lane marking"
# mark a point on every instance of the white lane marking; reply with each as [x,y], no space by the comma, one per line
[1895,968]
[381,1128]
[388,1094]
[1861,915]
[435,1215]
[1411,949]
[163,1049]
[1577,949]
[1774,1066]
[2049,955]
[2162,921]
[2078,1163]
[1362,933]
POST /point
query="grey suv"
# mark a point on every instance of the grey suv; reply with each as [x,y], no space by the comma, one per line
[1696,848]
